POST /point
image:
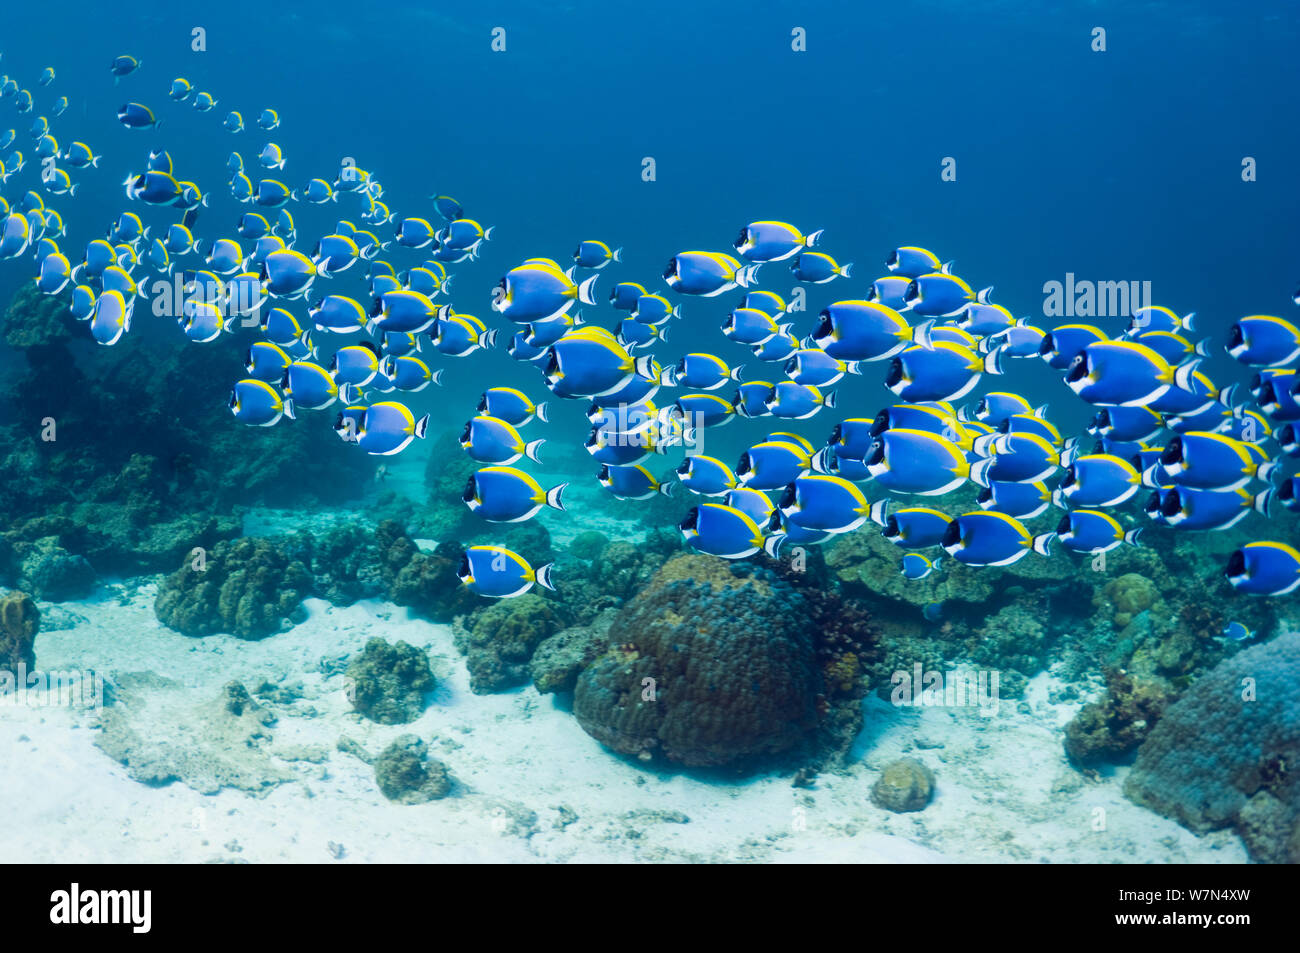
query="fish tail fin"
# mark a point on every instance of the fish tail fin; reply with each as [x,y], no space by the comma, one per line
[984,295]
[921,334]
[1183,373]
[541,410]
[288,409]
[829,400]
[846,270]
[555,497]
[853,367]
[736,372]
[1202,348]
[1228,396]
[667,489]
[1040,411]
[879,512]
[436,376]
[772,545]
[1149,477]
[946,267]
[487,233]
[979,471]
[1131,537]
[1266,471]
[531,449]
[748,274]
[993,360]
[1059,499]
[983,444]
[422,426]
[1263,501]
[488,338]
[938,561]
[1188,322]
[820,461]
[812,238]
[618,254]
[1043,543]
[587,290]
[543,576]
[644,367]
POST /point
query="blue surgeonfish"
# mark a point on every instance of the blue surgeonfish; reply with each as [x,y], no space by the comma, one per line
[388,427]
[721,530]
[918,566]
[707,273]
[632,482]
[491,440]
[500,573]
[986,538]
[1092,531]
[257,403]
[1264,569]
[509,495]
[772,241]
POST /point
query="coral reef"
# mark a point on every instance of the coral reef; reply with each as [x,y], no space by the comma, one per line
[20,620]
[34,320]
[426,582]
[247,588]
[1233,736]
[904,786]
[560,659]
[718,667]
[1110,729]
[387,683]
[135,460]
[345,563]
[407,775]
[499,639]
[608,576]
[49,571]
[588,545]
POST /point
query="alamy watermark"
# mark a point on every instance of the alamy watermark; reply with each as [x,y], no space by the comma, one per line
[51,689]
[955,689]
[1094,299]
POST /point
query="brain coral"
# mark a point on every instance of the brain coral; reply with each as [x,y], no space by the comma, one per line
[1230,738]
[717,664]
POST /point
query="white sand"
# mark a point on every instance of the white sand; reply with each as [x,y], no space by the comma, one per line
[1004,791]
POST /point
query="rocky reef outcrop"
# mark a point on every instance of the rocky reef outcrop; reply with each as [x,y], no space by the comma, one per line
[387,683]
[20,620]
[1226,753]
[123,462]
[716,665]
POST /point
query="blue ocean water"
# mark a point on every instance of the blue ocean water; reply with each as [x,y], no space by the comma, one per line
[995,133]
[1118,165]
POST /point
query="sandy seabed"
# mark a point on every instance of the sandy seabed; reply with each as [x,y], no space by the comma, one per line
[531,786]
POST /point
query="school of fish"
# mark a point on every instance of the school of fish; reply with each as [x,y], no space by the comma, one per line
[1207,455]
